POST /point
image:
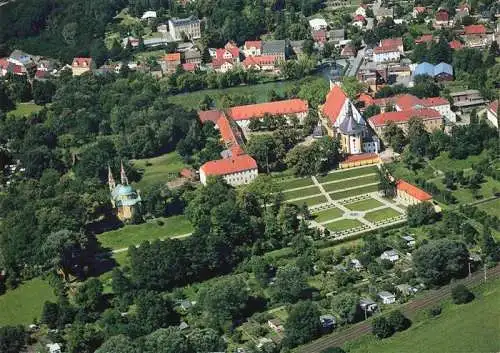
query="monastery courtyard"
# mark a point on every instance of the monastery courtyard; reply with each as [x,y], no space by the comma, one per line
[346,202]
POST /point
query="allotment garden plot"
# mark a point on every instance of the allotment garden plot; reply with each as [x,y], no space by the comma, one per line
[346,202]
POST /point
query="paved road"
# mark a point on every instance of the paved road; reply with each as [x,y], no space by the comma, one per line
[429,299]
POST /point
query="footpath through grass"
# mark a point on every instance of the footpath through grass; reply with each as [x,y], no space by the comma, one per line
[136,234]
[158,169]
[472,327]
[21,305]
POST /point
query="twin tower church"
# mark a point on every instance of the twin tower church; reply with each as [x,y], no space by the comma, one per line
[124,198]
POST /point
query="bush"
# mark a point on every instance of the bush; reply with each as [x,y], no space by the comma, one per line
[398,321]
[160,222]
[461,294]
[435,311]
[382,328]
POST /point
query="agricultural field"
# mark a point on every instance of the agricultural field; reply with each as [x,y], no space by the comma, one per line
[158,169]
[160,228]
[23,304]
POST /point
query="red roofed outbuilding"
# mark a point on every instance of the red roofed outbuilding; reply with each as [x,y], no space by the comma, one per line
[455,44]
[237,170]
[431,118]
[82,65]
[409,194]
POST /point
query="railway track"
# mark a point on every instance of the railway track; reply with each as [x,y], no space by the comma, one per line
[431,298]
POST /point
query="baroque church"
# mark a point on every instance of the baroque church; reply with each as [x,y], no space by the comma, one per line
[124,198]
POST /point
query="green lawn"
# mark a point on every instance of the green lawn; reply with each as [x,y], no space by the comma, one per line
[343,224]
[326,215]
[158,169]
[381,215]
[491,207]
[344,184]
[364,205]
[295,183]
[354,192]
[260,92]
[136,234]
[350,173]
[21,305]
[472,327]
[313,190]
[311,201]
[445,163]
[25,109]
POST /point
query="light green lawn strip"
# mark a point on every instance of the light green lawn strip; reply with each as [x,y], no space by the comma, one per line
[295,183]
[381,215]
[369,179]
[158,169]
[311,201]
[313,190]
[136,234]
[260,92]
[343,224]
[364,205]
[491,207]
[25,109]
[21,305]
[445,163]
[350,173]
[326,215]
[353,192]
[472,327]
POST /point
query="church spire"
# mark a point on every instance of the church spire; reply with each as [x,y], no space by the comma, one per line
[123,175]
[111,180]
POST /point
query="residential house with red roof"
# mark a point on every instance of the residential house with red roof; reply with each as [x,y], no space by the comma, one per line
[476,36]
[492,113]
[81,65]
[252,48]
[411,102]
[431,119]
[4,64]
[226,58]
[343,120]
[260,63]
[190,67]
[319,36]
[409,194]
[418,10]
[455,44]
[384,54]
[393,42]
[442,19]
[172,61]
[424,38]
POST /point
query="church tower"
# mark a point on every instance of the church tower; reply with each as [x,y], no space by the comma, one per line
[123,175]
[111,180]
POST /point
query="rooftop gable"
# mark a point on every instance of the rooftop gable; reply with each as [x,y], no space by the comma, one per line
[290,106]
[413,191]
[403,116]
[235,164]
[335,100]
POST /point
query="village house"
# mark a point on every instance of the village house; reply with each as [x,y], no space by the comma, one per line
[367,305]
[226,58]
[468,99]
[424,39]
[319,37]
[475,36]
[148,15]
[356,264]
[492,113]
[192,56]
[442,19]
[390,255]
[409,194]
[393,42]
[359,21]
[431,118]
[190,27]
[276,48]
[348,51]
[418,10]
[336,35]
[236,170]
[318,24]
[389,50]
[410,241]
[361,10]
[172,62]
[252,48]
[386,297]
[455,44]
[461,11]
[260,63]
[82,65]
[343,120]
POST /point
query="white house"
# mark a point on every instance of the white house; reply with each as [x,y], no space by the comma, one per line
[237,170]
[386,54]
[318,24]
[54,347]
[190,26]
[386,297]
[442,105]
[390,255]
[368,305]
[491,113]
[252,48]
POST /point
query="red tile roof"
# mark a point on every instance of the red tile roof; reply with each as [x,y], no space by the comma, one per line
[366,99]
[217,63]
[226,131]
[189,66]
[209,115]
[234,51]
[259,60]
[335,100]
[413,191]
[474,29]
[442,16]
[173,57]
[4,63]
[385,49]
[391,42]
[359,18]
[85,62]
[420,9]
[425,38]
[253,44]
[290,106]
[229,166]
[360,157]
[319,36]
[408,101]
[404,116]
[493,107]
[435,101]
[455,44]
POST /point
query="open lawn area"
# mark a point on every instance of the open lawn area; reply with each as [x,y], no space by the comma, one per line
[491,207]
[445,163]
[25,109]
[464,194]
[343,224]
[326,215]
[309,191]
[311,201]
[350,173]
[380,215]
[135,234]
[354,192]
[472,327]
[364,205]
[344,184]
[260,92]
[21,305]
[158,169]
[294,183]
